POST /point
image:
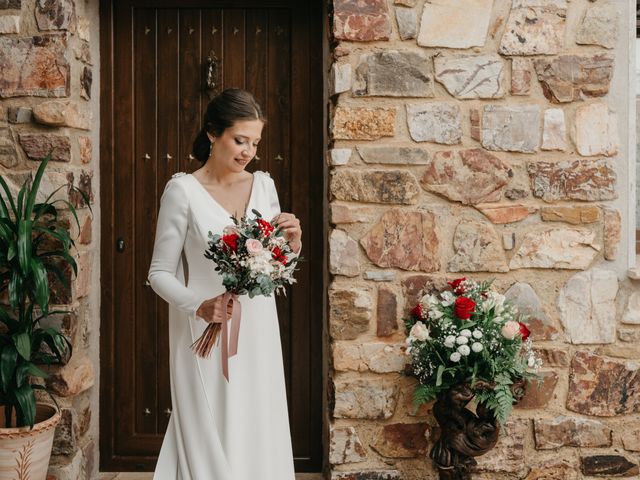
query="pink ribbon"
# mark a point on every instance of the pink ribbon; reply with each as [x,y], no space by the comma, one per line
[229,345]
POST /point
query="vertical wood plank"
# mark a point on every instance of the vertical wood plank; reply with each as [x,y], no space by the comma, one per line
[144,181]
[167,164]
[278,146]
[191,83]
[212,42]
[255,70]
[234,47]
[302,299]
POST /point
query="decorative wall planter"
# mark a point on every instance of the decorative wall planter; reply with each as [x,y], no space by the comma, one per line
[464,434]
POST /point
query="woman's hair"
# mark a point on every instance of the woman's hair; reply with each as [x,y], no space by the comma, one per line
[226,108]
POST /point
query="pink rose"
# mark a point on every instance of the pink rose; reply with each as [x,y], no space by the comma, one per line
[230,230]
[510,329]
[254,246]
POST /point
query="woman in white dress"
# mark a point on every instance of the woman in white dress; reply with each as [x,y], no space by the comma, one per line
[219,429]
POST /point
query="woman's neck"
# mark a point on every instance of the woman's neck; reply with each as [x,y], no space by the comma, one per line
[220,176]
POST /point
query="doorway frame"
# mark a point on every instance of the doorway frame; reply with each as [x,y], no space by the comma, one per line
[107,165]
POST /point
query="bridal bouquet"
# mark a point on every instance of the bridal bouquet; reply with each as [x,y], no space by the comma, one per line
[469,335]
[254,258]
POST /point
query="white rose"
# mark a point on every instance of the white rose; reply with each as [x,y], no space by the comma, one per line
[462,340]
[466,333]
[510,329]
[254,247]
[477,334]
[464,350]
[429,300]
[450,341]
[420,331]
[455,357]
[477,347]
[435,314]
[447,298]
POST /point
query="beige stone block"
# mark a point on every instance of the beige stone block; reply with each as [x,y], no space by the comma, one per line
[596,130]
[587,307]
[455,23]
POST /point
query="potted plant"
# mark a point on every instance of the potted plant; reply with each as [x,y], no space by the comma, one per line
[467,344]
[33,244]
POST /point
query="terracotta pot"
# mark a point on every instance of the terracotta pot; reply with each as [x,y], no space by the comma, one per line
[25,453]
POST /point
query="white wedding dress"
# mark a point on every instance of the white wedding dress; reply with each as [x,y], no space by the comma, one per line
[218,430]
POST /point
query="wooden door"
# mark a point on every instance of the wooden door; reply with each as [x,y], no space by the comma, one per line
[154,94]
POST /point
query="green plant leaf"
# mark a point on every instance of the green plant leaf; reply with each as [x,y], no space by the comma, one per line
[8,360]
[11,323]
[7,192]
[23,345]
[61,235]
[26,403]
[6,233]
[28,368]
[15,287]
[31,197]
[59,274]
[62,254]
[41,283]
[24,245]
[21,194]
[11,251]
[41,209]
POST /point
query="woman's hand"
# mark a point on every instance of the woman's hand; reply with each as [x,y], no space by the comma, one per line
[211,310]
[290,225]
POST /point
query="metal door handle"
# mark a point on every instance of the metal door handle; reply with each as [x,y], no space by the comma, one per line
[212,71]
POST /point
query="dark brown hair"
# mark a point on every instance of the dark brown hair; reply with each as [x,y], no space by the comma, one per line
[223,111]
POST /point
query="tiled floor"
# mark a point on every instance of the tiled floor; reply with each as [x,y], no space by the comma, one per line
[149,476]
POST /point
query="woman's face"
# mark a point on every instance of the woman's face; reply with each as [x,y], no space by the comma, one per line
[237,145]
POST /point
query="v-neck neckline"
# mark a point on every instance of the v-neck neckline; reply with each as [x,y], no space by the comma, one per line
[253,184]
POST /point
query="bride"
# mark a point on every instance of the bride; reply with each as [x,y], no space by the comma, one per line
[219,429]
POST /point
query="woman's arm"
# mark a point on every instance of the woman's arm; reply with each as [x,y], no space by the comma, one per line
[171,232]
[286,221]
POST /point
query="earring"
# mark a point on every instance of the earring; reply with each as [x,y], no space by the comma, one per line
[210,148]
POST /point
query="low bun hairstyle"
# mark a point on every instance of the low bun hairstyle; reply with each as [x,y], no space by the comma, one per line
[226,108]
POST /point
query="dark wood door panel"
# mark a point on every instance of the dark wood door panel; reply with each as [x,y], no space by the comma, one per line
[154,95]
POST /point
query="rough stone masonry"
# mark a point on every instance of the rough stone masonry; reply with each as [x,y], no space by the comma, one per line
[479,138]
[46,105]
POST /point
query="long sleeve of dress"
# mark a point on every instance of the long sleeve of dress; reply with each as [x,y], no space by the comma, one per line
[275,206]
[171,232]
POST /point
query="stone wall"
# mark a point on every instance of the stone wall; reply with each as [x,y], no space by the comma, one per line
[487,139]
[48,102]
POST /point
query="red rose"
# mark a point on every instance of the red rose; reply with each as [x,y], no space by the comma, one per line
[417,311]
[278,256]
[457,286]
[463,308]
[265,227]
[231,241]
[524,331]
